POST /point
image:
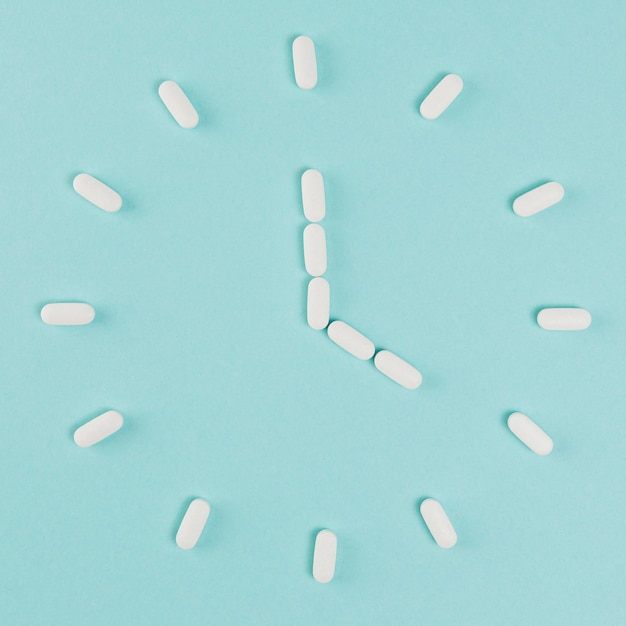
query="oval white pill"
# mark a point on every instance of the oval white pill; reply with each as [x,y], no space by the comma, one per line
[397,369]
[441,97]
[304,62]
[324,556]
[564,319]
[68,314]
[98,428]
[178,104]
[529,433]
[97,193]
[314,249]
[318,303]
[538,199]
[438,523]
[313,197]
[351,340]
[193,524]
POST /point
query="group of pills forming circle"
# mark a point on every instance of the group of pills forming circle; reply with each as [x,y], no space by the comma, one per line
[318,305]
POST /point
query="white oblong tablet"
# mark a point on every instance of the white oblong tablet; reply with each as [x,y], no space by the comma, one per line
[193,524]
[318,303]
[315,250]
[530,434]
[304,62]
[313,196]
[324,556]
[68,314]
[98,428]
[97,193]
[351,340]
[178,104]
[538,199]
[441,97]
[438,523]
[397,369]
[564,319]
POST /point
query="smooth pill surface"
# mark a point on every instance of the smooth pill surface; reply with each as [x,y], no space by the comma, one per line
[97,193]
[538,199]
[178,104]
[304,62]
[193,524]
[441,97]
[438,523]
[397,369]
[318,303]
[324,556]
[68,314]
[351,340]
[98,428]
[564,319]
[530,434]
[314,249]
[313,197]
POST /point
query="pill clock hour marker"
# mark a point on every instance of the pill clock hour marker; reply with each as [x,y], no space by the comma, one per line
[68,314]
[313,197]
[315,250]
[438,523]
[441,97]
[97,193]
[564,319]
[193,524]
[178,104]
[530,433]
[304,62]
[351,340]
[397,369]
[324,556]
[98,428]
[538,199]
[318,303]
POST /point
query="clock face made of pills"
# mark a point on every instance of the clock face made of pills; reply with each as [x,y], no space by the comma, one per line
[200,337]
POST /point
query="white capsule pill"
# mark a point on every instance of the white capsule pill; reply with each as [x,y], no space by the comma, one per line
[314,249]
[441,97]
[397,369]
[538,199]
[564,319]
[304,62]
[313,197]
[98,428]
[193,524]
[351,340]
[529,433]
[438,523]
[324,556]
[178,104]
[318,303]
[68,314]
[97,193]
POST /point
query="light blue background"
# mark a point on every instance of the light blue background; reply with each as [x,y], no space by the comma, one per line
[201,338]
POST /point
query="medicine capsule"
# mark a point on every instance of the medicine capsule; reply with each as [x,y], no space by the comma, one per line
[318,303]
[351,340]
[441,97]
[313,197]
[438,523]
[324,556]
[538,199]
[397,369]
[304,62]
[178,104]
[193,524]
[97,193]
[315,250]
[564,319]
[98,428]
[530,434]
[68,314]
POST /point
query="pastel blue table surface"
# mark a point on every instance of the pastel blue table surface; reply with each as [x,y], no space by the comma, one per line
[201,340]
